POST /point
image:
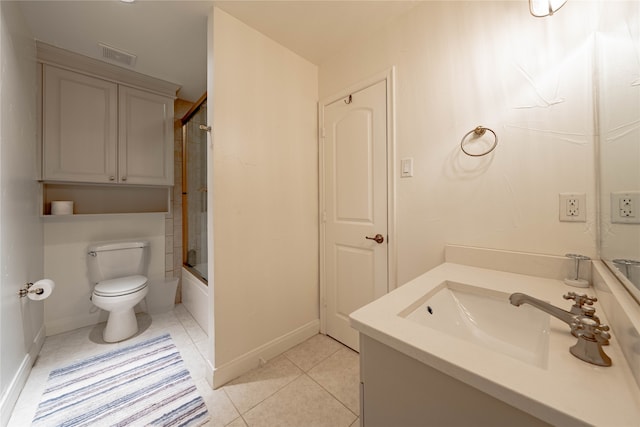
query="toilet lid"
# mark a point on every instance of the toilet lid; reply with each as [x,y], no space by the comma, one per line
[120,286]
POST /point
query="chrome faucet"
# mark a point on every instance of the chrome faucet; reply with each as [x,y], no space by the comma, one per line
[518,299]
[583,305]
[590,332]
[580,300]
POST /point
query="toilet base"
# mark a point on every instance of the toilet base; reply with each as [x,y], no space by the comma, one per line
[122,322]
[120,326]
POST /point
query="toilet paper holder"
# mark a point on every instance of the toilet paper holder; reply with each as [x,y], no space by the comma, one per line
[27,290]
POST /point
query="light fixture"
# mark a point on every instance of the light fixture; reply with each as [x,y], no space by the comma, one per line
[542,8]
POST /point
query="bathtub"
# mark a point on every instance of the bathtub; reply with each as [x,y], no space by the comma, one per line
[195,297]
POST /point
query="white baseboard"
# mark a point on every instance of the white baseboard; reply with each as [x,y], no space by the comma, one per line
[18,381]
[67,324]
[250,360]
[209,368]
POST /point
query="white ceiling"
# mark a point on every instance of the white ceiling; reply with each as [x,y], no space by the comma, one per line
[170,37]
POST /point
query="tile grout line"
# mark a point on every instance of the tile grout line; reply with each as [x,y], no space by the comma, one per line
[302,372]
[334,396]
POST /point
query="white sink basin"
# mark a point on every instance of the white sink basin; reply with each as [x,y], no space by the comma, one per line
[486,318]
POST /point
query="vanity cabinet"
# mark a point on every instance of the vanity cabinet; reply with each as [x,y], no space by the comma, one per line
[398,390]
[100,131]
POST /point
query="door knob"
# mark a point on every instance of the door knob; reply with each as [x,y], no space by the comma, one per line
[378,238]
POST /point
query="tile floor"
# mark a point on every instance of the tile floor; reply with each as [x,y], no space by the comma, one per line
[313,384]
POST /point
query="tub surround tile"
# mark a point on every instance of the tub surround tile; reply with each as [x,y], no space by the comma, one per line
[168,226]
[168,262]
[301,403]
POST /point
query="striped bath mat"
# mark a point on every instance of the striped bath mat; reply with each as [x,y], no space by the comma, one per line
[146,384]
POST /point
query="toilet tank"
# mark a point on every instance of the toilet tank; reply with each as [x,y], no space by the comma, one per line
[110,260]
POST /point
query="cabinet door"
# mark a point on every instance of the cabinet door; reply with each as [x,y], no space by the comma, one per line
[145,150]
[79,127]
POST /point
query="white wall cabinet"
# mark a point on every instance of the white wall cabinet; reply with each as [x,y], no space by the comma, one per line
[145,143]
[80,127]
[99,131]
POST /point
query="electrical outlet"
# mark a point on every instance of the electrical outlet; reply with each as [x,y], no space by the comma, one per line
[573,207]
[624,207]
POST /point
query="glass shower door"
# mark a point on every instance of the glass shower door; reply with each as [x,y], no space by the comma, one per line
[194,190]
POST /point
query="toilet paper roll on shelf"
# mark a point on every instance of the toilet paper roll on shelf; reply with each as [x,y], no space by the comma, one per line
[39,290]
[62,207]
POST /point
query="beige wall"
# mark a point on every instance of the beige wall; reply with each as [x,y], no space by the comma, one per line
[464,64]
[21,320]
[263,172]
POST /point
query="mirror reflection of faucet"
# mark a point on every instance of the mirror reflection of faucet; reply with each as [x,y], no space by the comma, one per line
[585,325]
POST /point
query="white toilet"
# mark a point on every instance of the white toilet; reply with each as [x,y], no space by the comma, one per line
[118,270]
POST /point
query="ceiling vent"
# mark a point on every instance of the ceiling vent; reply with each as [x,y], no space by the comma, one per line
[112,54]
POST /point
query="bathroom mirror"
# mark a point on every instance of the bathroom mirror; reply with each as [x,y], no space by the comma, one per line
[618,113]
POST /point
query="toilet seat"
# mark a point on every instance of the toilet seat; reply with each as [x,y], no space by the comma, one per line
[120,286]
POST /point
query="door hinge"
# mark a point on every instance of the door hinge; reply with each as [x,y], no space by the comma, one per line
[322,132]
[324,216]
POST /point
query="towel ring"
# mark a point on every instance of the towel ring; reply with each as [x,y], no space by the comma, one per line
[479,131]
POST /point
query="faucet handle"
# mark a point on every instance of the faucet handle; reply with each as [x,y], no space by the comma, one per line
[590,312]
[602,336]
[580,299]
[591,336]
[591,329]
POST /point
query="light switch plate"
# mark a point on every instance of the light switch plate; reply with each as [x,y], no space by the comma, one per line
[406,167]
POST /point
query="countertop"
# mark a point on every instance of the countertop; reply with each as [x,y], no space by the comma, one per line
[567,392]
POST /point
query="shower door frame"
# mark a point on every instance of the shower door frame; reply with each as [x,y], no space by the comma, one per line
[185,203]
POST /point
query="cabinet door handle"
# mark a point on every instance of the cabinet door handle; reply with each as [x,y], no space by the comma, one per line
[112,178]
[124,178]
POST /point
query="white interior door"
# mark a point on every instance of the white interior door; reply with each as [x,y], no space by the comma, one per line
[355,207]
